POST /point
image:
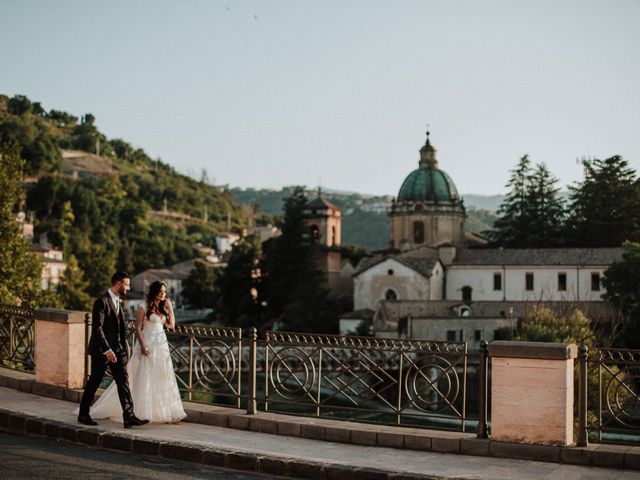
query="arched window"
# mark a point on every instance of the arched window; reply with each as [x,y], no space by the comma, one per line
[391,294]
[466,294]
[418,232]
[333,235]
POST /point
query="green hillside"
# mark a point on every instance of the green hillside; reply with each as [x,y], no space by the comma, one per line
[104,202]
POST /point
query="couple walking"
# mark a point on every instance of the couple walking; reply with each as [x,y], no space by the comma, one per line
[147,379]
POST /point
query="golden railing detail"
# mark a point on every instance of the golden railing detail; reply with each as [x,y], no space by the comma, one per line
[17,338]
[373,379]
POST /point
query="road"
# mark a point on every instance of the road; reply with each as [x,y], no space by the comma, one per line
[24,457]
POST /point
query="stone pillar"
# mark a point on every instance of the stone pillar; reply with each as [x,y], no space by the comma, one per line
[532,392]
[60,347]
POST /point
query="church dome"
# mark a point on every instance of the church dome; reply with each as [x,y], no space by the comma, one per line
[428,183]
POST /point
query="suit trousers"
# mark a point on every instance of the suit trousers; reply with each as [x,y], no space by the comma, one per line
[99,364]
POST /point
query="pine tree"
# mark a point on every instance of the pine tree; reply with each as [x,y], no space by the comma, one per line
[546,210]
[20,270]
[73,288]
[511,229]
[605,207]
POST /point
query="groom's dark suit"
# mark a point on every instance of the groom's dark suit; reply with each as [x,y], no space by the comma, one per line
[108,332]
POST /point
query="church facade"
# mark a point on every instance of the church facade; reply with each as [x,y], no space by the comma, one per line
[437,282]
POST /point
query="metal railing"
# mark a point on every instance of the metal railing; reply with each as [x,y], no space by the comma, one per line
[399,381]
[17,338]
[609,396]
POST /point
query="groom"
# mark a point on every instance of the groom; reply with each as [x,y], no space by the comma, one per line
[108,348]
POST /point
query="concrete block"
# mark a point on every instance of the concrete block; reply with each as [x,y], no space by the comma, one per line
[180,451]
[338,472]
[611,456]
[272,466]
[445,445]
[389,439]
[25,385]
[417,442]
[370,474]
[52,429]
[4,419]
[632,458]
[474,446]
[540,453]
[34,426]
[242,461]
[338,434]
[16,422]
[145,446]
[576,455]
[88,436]
[316,432]
[3,380]
[213,456]
[69,433]
[363,437]
[116,442]
[240,422]
[215,419]
[13,383]
[265,425]
[302,469]
[193,416]
[291,429]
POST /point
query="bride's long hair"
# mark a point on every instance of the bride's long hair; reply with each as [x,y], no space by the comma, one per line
[152,293]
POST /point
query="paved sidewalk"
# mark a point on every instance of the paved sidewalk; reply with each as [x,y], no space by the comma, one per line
[295,457]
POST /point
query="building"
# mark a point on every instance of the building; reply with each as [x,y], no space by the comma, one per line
[434,282]
[53,264]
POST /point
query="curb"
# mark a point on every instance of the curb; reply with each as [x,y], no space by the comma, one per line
[23,424]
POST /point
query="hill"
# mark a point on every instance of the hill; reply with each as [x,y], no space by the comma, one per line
[98,199]
[364,217]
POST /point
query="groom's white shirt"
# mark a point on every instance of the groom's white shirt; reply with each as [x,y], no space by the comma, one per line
[116,304]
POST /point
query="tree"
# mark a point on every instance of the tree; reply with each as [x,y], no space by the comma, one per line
[512,227]
[543,325]
[200,287]
[73,288]
[622,284]
[20,270]
[546,209]
[605,207]
[237,299]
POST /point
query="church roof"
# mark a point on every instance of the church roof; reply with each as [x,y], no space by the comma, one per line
[428,183]
[320,203]
[538,256]
[423,266]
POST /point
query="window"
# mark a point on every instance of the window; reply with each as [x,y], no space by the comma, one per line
[562,282]
[528,280]
[391,295]
[333,236]
[390,271]
[315,232]
[595,281]
[478,335]
[418,232]
[466,294]
[451,335]
[497,281]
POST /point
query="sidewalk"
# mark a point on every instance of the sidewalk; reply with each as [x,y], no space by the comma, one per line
[24,413]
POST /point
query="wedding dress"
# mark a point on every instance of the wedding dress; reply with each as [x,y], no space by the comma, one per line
[151,379]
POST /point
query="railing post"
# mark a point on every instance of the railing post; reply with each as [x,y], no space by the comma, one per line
[483,391]
[253,374]
[583,355]
[87,333]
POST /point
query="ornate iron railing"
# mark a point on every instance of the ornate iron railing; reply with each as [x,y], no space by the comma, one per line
[380,380]
[612,387]
[17,338]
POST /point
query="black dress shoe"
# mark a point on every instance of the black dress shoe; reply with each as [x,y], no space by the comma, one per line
[134,421]
[87,420]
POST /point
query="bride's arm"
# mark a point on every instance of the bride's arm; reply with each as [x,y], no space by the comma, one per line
[171,319]
[139,322]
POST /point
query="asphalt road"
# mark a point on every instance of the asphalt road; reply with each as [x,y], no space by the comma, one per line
[24,457]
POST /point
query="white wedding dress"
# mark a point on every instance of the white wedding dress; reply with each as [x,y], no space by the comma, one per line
[151,380]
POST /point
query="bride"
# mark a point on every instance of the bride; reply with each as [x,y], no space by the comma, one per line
[153,384]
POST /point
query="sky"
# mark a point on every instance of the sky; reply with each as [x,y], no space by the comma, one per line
[339,93]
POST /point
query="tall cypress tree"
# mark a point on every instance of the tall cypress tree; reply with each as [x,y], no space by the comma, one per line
[20,270]
[605,208]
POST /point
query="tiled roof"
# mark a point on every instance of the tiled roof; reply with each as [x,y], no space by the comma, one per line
[321,203]
[538,256]
[423,266]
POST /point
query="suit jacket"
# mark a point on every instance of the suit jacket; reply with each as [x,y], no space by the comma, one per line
[108,329]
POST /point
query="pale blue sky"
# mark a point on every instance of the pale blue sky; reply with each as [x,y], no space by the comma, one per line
[274,93]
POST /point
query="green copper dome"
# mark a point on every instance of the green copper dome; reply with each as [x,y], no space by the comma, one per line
[428,183]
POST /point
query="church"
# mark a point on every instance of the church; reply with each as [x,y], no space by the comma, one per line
[438,282]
